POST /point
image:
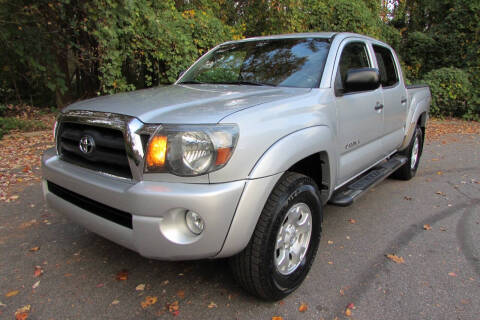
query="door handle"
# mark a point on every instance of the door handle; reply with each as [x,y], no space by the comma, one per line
[378,106]
[404,100]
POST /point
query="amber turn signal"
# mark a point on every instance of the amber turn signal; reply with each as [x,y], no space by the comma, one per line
[157,151]
[223,154]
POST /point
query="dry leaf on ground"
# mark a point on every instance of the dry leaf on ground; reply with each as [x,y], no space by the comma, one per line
[36,284]
[395,258]
[303,307]
[173,307]
[122,275]
[22,313]
[34,249]
[149,300]
[12,293]
[140,287]
[181,294]
[212,305]
[427,227]
[38,271]
[277,318]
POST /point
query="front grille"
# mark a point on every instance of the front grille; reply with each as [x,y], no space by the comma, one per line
[121,217]
[107,156]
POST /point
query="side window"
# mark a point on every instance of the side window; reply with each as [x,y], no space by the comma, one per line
[386,66]
[354,56]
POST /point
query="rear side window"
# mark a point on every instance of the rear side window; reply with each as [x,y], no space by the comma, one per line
[354,56]
[386,66]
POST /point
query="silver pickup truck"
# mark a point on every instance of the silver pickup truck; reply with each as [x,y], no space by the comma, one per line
[239,156]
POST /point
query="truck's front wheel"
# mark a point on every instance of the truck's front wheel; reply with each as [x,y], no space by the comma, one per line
[285,241]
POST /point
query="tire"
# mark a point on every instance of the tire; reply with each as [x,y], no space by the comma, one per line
[413,154]
[259,268]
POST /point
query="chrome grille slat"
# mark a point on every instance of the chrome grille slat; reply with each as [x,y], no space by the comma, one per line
[121,142]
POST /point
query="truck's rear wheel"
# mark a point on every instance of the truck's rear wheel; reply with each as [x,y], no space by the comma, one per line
[413,154]
[285,241]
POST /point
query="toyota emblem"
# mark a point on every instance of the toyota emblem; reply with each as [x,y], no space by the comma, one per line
[87,144]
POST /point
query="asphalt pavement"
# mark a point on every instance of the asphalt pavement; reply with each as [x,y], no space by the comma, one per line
[56,269]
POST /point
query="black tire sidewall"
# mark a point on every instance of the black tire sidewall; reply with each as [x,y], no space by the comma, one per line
[417,134]
[302,191]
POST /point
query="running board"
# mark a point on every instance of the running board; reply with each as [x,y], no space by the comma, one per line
[346,195]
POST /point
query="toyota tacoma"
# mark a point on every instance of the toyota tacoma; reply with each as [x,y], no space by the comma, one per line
[239,156]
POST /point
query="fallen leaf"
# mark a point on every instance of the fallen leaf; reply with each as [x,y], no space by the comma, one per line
[26,169]
[66,275]
[34,249]
[439,173]
[395,258]
[352,221]
[427,227]
[114,302]
[303,307]
[452,274]
[212,305]
[440,193]
[407,198]
[173,307]
[100,285]
[122,275]
[277,318]
[2,304]
[140,287]
[149,300]
[351,306]
[38,271]
[443,229]
[330,262]
[434,159]
[330,242]
[181,294]
[165,282]
[342,292]
[22,313]
[348,312]
[36,284]
[12,293]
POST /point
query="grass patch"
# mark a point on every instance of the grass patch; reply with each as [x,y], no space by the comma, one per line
[8,124]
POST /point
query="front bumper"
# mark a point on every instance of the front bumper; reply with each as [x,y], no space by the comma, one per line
[157,209]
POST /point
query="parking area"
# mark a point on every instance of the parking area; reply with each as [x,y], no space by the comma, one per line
[55,269]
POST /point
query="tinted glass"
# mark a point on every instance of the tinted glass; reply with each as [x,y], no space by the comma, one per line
[354,56]
[281,62]
[386,66]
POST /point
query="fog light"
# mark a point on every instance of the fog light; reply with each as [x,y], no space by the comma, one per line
[194,222]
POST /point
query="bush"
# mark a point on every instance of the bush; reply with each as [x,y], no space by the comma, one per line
[8,124]
[452,93]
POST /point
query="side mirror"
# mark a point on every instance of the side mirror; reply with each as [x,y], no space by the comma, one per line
[362,79]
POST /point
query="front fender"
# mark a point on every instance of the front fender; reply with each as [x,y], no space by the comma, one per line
[265,174]
[294,147]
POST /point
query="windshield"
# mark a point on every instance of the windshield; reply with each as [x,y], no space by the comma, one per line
[281,62]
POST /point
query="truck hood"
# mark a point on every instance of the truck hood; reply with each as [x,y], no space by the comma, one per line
[196,103]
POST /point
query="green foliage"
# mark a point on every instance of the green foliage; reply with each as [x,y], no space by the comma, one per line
[9,123]
[55,52]
[451,92]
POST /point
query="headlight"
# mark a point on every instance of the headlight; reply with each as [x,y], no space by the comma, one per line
[190,150]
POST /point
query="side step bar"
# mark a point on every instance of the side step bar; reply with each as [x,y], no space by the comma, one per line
[353,190]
